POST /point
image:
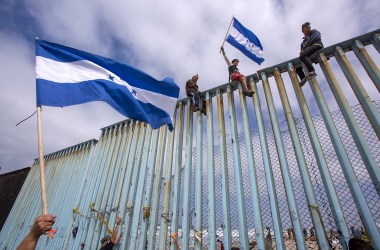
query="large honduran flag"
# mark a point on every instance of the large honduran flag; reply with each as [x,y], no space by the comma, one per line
[66,76]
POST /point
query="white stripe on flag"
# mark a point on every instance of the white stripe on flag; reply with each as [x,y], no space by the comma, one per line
[83,70]
[245,42]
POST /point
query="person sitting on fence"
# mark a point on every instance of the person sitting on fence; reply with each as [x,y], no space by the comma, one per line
[311,43]
[192,91]
[42,225]
[109,241]
[235,75]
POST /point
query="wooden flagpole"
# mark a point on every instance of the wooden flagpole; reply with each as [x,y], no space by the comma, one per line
[225,38]
[41,163]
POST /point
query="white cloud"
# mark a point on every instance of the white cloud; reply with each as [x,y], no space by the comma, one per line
[165,38]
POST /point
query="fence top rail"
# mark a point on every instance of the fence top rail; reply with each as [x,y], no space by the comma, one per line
[89,142]
[328,51]
[365,39]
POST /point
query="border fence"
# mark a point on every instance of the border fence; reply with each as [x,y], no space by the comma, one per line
[249,174]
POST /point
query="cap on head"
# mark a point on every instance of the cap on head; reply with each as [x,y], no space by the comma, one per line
[235,60]
[195,76]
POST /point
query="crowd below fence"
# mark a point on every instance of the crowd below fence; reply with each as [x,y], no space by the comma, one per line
[359,239]
[44,224]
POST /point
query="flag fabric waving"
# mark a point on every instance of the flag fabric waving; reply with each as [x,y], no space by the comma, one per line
[245,41]
[66,76]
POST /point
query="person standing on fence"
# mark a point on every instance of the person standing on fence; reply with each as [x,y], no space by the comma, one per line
[192,91]
[311,43]
[235,75]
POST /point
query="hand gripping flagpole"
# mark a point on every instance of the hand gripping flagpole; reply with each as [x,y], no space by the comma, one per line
[41,163]
[225,38]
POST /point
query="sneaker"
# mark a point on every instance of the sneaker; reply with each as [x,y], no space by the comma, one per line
[196,108]
[311,75]
[303,81]
[248,93]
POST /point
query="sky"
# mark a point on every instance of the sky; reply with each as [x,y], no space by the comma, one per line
[174,39]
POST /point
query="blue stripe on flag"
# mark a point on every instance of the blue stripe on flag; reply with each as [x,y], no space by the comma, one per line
[58,94]
[249,38]
[129,74]
[243,50]
[247,33]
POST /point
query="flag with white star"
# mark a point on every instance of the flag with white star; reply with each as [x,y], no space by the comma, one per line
[66,76]
[246,41]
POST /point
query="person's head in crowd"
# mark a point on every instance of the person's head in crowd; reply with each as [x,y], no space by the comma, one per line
[359,244]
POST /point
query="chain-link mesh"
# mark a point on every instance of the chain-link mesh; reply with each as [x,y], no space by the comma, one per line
[345,198]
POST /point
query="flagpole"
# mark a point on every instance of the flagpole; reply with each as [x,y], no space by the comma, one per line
[41,163]
[229,27]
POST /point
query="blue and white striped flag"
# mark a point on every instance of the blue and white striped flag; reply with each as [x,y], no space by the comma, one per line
[244,40]
[66,76]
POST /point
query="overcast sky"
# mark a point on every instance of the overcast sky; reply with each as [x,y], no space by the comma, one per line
[162,38]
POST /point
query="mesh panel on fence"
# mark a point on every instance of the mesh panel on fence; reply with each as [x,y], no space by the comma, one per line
[344,194]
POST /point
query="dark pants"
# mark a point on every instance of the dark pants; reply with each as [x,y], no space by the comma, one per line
[196,97]
[304,57]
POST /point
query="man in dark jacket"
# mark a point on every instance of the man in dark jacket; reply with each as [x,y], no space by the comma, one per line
[311,43]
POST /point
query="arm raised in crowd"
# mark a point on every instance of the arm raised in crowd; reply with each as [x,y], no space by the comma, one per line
[42,224]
